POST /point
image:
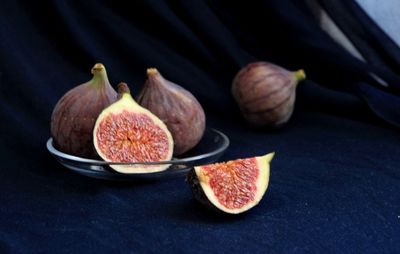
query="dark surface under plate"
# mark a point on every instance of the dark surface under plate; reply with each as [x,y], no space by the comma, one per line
[335,177]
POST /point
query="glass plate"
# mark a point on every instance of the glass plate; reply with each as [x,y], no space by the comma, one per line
[208,150]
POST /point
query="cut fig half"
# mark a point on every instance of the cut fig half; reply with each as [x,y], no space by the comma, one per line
[127,132]
[232,187]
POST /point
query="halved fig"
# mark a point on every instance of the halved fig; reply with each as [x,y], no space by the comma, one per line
[127,132]
[232,187]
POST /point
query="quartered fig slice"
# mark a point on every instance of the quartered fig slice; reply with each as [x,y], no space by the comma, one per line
[232,187]
[127,132]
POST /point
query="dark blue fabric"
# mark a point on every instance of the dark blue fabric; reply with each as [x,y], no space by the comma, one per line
[335,180]
[382,53]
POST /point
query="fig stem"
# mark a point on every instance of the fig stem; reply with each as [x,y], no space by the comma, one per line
[154,76]
[98,67]
[300,75]
[152,71]
[122,89]
[99,74]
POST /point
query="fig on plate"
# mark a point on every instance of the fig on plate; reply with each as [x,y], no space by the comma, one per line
[74,115]
[176,107]
[231,187]
[266,93]
[127,132]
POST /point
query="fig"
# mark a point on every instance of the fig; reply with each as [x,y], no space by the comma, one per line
[176,107]
[74,115]
[127,132]
[266,93]
[231,187]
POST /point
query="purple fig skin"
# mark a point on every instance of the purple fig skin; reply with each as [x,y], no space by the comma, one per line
[266,93]
[75,114]
[176,107]
[199,194]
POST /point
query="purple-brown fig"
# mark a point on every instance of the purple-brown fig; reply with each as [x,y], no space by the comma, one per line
[75,114]
[266,93]
[176,107]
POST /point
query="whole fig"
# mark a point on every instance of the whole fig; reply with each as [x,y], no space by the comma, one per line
[75,114]
[266,93]
[176,107]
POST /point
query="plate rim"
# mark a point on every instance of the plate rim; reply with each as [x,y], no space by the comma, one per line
[54,151]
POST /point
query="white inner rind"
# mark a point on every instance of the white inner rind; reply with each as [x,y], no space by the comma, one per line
[128,103]
[263,164]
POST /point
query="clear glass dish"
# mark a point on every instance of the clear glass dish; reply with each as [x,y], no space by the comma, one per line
[208,150]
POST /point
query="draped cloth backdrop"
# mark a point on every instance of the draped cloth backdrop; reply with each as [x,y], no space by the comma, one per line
[335,179]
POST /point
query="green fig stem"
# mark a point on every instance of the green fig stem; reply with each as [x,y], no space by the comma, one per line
[300,75]
[99,74]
